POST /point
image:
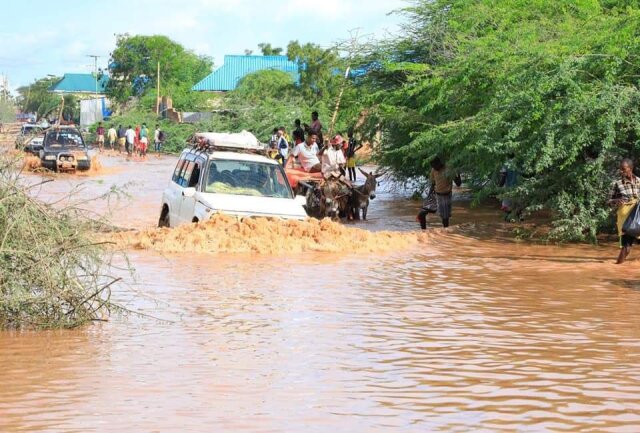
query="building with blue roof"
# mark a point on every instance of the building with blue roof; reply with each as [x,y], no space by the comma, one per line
[236,67]
[80,84]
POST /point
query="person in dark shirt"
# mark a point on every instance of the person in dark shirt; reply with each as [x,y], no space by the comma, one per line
[316,128]
[298,132]
[122,134]
[100,136]
[352,148]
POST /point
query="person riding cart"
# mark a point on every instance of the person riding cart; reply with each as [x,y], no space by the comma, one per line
[333,162]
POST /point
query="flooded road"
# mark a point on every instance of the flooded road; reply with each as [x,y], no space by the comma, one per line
[462,333]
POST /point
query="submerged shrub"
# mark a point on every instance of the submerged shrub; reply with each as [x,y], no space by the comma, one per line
[52,274]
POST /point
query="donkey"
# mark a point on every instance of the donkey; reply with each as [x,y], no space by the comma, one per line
[327,199]
[361,195]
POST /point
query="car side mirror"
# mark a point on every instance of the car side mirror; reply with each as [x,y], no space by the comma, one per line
[188,192]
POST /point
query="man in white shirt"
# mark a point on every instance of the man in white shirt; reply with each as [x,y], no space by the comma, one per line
[333,159]
[307,153]
[130,135]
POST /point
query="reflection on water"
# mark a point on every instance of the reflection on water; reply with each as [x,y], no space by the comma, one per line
[461,334]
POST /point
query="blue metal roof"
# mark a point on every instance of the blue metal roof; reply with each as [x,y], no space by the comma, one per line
[80,83]
[235,68]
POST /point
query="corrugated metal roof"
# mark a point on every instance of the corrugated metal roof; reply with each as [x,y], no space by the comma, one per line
[79,83]
[227,76]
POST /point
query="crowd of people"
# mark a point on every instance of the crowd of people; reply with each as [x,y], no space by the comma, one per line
[314,154]
[128,140]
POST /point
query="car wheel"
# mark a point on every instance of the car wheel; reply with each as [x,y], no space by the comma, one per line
[164,218]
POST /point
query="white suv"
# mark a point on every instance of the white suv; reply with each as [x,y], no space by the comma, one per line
[228,178]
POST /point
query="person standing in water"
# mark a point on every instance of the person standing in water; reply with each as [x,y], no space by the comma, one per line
[144,140]
[352,148]
[624,195]
[112,137]
[442,180]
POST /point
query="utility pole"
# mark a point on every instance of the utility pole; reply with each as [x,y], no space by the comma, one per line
[158,91]
[352,48]
[95,69]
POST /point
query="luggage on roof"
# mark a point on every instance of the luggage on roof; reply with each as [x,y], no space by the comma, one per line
[232,141]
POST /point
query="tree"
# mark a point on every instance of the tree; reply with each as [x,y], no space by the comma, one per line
[552,83]
[268,50]
[133,67]
[36,98]
[7,111]
[264,84]
[320,69]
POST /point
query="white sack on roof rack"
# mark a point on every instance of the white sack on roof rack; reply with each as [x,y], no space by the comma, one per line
[239,140]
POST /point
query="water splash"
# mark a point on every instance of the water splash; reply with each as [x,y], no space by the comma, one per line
[227,234]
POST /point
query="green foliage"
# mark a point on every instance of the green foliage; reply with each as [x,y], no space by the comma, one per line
[318,66]
[554,83]
[262,100]
[134,63]
[36,98]
[264,84]
[52,274]
[7,111]
[268,50]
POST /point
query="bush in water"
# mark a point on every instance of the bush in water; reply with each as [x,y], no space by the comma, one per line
[52,275]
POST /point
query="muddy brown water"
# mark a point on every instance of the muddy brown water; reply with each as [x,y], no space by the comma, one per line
[466,333]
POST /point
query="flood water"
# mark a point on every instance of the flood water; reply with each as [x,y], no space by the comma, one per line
[469,332]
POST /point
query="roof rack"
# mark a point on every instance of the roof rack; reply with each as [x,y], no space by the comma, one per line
[243,142]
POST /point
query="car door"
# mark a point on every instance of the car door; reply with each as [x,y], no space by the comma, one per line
[173,193]
[192,174]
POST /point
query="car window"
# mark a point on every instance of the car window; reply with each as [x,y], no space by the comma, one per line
[176,172]
[185,175]
[28,130]
[195,174]
[63,137]
[247,178]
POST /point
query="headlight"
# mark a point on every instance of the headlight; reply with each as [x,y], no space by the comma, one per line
[50,157]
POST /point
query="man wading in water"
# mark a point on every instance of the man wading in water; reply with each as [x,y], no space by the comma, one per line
[442,181]
[624,195]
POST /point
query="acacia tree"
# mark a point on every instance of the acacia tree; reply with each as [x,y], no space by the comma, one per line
[133,67]
[268,50]
[319,69]
[553,83]
[36,98]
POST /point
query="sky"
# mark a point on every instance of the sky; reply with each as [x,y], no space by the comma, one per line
[38,37]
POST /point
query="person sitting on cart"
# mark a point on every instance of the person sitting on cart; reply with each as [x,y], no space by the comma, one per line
[307,153]
[274,153]
[333,161]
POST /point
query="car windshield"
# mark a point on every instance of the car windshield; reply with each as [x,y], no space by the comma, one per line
[63,138]
[29,130]
[247,178]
